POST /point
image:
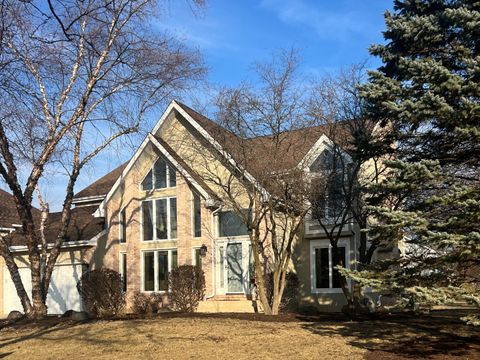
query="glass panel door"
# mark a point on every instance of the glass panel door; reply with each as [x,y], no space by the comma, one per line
[234,268]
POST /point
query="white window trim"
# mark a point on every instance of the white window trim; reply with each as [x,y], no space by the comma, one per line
[169,165]
[194,258]
[155,268]
[192,212]
[223,242]
[154,220]
[121,269]
[121,225]
[322,244]
[227,238]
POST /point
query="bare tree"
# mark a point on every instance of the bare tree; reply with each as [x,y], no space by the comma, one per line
[256,177]
[75,77]
[348,168]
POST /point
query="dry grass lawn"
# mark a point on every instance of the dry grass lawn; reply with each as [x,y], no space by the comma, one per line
[172,336]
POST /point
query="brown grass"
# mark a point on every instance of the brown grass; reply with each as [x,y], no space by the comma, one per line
[202,336]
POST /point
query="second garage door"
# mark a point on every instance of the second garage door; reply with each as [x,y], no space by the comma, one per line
[62,293]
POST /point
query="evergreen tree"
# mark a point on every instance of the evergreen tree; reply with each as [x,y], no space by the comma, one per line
[426,94]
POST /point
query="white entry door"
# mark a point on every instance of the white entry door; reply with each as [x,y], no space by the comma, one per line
[233,268]
[62,293]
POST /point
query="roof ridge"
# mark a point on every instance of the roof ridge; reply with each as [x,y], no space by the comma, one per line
[188,108]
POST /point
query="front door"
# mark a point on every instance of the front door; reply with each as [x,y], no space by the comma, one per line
[234,268]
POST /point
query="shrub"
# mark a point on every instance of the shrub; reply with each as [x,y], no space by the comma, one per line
[101,292]
[290,293]
[187,287]
[146,303]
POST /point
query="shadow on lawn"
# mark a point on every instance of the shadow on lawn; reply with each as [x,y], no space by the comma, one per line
[53,328]
[438,335]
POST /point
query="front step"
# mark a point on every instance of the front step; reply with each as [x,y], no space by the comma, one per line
[233,297]
[225,306]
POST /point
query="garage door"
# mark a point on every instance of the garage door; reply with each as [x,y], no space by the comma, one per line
[62,293]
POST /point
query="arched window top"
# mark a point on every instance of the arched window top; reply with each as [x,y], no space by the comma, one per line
[162,175]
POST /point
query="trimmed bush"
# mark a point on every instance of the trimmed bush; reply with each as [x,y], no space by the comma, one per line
[143,303]
[101,292]
[187,288]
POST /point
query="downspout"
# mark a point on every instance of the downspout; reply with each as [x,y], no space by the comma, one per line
[214,287]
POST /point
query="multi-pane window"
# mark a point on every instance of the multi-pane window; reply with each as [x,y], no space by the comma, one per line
[159,219]
[156,267]
[197,215]
[123,270]
[230,224]
[329,201]
[326,276]
[123,226]
[161,176]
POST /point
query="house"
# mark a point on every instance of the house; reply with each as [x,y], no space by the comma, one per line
[161,209]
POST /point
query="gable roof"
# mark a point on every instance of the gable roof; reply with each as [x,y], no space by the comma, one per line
[291,147]
[83,226]
[101,186]
[8,210]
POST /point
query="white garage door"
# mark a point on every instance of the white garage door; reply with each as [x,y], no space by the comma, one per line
[62,294]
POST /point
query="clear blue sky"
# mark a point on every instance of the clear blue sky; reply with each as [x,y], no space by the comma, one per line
[330,34]
[232,34]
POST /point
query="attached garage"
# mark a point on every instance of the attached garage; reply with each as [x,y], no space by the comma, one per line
[62,293]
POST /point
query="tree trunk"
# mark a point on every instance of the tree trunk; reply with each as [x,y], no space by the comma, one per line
[343,281]
[278,288]
[39,308]
[15,275]
[262,290]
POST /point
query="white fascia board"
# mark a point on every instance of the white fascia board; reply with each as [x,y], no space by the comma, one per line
[137,154]
[65,244]
[178,166]
[323,142]
[88,199]
[218,147]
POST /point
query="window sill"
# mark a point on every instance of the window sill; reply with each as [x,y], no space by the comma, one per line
[239,237]
[157,241]
[327,291]
[159,189]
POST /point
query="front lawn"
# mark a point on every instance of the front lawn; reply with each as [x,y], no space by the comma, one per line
[242,336]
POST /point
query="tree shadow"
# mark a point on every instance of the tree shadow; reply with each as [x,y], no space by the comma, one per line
[54,328]
[408,336]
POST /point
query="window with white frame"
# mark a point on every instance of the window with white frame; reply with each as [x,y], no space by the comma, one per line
[197,215]
[231,224]
[329,201]
[159,219]
[324,274]
[123,226]
[123,270]
[197,257]
[161,176]
[157,264]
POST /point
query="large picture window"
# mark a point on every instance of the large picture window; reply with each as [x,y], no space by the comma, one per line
[231,224]
[161,176]
[325,276]
[159,219]
[157,265]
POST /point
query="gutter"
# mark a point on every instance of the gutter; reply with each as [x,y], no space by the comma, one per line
[88,199]
[65,245]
